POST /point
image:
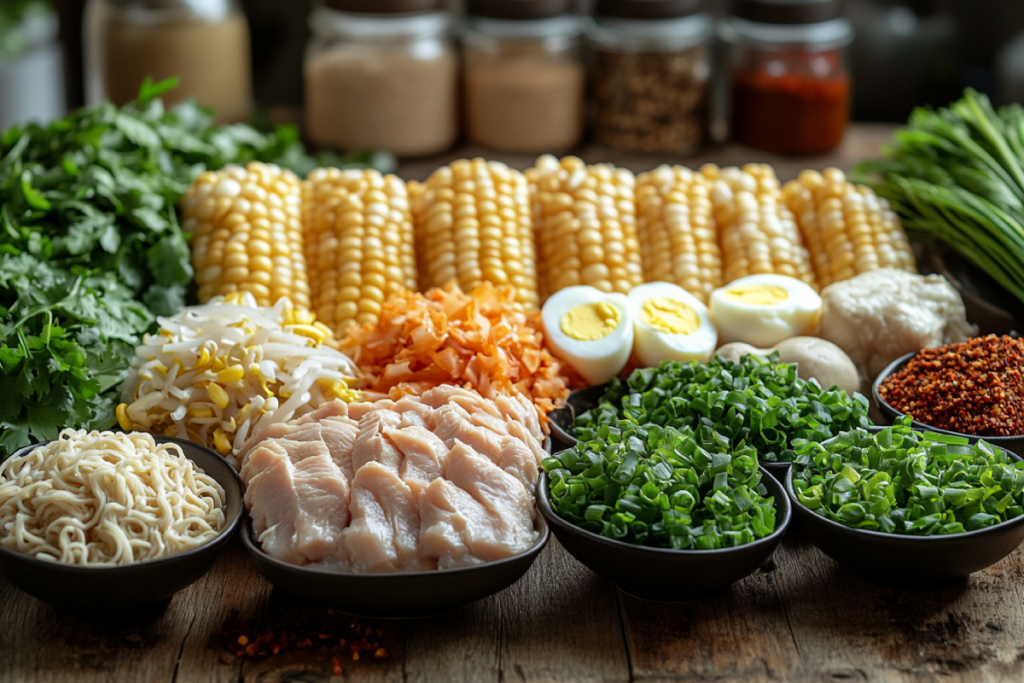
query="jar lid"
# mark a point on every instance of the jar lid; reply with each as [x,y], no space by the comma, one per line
[384,6]
[519,9]
[787,11]
[649,9]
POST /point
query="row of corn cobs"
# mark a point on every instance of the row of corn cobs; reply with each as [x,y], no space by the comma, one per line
[342,240]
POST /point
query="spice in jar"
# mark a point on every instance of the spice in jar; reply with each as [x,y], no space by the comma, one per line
[651,102]
[976,387]
[524,79]
[382,79]
[792,112]
[651,71]
[790,86]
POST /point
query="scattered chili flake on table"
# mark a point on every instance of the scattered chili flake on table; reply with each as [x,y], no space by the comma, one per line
[976,387]
[327,630]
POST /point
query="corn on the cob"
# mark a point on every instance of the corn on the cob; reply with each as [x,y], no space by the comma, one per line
[472,225]
[678,240]
[359,243]
[848,228]
[246,232]
[585,218]
[756,230]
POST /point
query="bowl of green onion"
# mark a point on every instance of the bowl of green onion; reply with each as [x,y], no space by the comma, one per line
[909,508]
[667,514]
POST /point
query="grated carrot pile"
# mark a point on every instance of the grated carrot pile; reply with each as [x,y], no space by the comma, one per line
[480,341]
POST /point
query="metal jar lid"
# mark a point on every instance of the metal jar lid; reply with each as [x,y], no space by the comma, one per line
[649,9]
[518,9]
[384,6]
[787,11]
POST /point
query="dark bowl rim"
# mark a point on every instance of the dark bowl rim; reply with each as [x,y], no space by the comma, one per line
[780,527]
[885,406]
[248,539]
[833,525]
[222,536]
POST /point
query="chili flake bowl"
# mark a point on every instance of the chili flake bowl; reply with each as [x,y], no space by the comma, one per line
[909,562]
[99,590]
[1014,444]
[665,574]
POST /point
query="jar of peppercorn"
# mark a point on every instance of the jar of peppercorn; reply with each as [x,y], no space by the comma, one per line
[650,73]
[790,85]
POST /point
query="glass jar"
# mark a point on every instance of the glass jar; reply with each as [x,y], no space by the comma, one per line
[524,78]
[205,43]
[790,85]
[651,73]
[383,80]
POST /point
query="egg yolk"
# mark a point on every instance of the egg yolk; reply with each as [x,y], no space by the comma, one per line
[590,322]
[669,315]
[758,295]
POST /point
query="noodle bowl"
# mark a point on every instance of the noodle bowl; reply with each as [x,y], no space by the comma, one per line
[104,499]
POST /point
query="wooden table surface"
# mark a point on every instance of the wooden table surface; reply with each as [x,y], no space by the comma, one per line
[801,617]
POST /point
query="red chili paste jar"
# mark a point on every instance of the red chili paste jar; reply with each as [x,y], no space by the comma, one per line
[790,86]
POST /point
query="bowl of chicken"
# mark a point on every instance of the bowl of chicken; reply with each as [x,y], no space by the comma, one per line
[397,509]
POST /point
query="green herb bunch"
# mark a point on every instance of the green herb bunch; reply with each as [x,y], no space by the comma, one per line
[956,175]
[902,481]
[92,250]
[756,402]
[662,487]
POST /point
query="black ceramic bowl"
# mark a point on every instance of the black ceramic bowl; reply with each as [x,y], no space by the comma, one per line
[96,589]
[662,574]
[403,595]
[913,562]
[1015,444]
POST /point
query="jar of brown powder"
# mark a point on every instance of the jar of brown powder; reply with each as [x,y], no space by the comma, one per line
[524,77]
[651,73]
[205,43]
[382,74]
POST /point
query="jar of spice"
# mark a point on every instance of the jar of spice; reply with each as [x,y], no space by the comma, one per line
[650,74]
[524,78]
[205,43]
[790,85]
[382,74]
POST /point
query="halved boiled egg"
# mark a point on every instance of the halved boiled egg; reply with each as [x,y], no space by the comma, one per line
[590,330]
[669,323]
[764,309]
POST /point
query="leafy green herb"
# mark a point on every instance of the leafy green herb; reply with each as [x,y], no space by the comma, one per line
[16,29]
[92,250]
[904,482]
[956,175]
[662,487]
[756,402]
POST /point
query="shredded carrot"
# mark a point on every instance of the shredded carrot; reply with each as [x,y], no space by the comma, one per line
[481,341]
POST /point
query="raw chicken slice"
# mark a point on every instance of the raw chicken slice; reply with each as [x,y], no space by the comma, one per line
[447,514]
[357,411]
[453,424]
[423,453]
[335,408]
[519,409]
[298,442]
[468,400]
[518,460]
[298,500]
[489,422]
[504,497]
[372,446]
[385,529]
[339,433]
[519,430]
[415,413]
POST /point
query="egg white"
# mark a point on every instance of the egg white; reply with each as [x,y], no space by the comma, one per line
[764,326]
[600,360]
[653,345]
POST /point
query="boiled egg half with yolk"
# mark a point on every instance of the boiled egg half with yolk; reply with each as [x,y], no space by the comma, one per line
[669,323]
[590,330]
[764,309]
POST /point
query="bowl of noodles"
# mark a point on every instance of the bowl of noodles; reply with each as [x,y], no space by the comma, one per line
[101,521]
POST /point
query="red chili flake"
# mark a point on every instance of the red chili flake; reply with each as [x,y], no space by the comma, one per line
[976,387]
[320,631]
